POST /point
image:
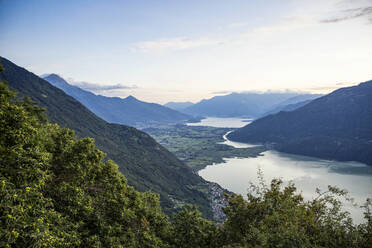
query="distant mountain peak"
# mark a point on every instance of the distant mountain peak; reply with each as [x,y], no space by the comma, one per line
[53,75]
[237,104]
[130,97]
[59,81]
[127,111]
[146,164]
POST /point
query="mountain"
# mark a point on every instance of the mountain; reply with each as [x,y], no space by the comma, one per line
[335,126]
[292,103]
[178,105]
[128,111]
[238,104]
[145,163]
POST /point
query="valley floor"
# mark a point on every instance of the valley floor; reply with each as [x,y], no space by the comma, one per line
[199,146]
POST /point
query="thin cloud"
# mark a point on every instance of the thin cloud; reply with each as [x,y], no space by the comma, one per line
[221,92]
[245,34]
[349,14]
[341,84]
[98,87]
[275,91]
[286,24]
[94,87]
[238,25]
[178,43]
[330,88]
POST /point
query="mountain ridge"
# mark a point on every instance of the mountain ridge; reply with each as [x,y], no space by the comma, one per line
[145,163]
[127,111]
[335,126]
[292,103]
[179,106]
[250,105]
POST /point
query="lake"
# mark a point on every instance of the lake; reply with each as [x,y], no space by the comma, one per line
[307,173]
[222,122]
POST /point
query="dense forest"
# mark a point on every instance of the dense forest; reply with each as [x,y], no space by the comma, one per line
[59,191]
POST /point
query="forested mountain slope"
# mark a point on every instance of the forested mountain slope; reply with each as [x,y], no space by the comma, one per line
[336,126]
[145,163]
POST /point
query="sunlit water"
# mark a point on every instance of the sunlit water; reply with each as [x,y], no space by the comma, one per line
[222,122]
[235,144]
[225,123]
[306,173]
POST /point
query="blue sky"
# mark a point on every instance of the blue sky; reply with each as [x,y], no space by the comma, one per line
[187,50]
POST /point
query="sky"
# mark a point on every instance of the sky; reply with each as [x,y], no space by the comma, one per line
[173,50]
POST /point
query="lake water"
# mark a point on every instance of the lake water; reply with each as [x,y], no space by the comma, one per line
[225,123]
[222,122]
[235,144]
[306,172]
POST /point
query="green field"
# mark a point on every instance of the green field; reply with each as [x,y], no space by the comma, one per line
[198,146]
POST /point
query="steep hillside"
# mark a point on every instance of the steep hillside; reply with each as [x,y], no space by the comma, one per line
[336,126]
[129,111]
[145,163]
[292,103]
[238,104]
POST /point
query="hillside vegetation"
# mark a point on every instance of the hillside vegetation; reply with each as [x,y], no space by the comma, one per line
[146,164]
[59,191]
[336,126]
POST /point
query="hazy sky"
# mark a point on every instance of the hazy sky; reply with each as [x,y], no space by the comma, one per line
[173,50]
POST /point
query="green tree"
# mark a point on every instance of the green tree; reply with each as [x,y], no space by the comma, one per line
[278,216]
[57,191]
[27,218]
[191,230]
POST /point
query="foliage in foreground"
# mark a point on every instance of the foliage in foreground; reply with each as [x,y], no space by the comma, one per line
[58,191]
[145,164]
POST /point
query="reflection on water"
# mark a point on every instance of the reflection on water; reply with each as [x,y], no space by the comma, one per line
[307,173]
[222,122]
[235,144]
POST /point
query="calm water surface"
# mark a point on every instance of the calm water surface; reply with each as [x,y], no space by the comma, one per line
[222,122]
[235,144]
[306,172]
